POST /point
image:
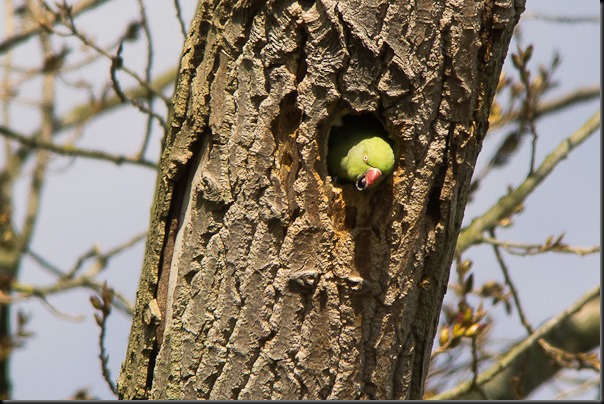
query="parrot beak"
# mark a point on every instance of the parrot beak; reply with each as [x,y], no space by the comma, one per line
[369,179]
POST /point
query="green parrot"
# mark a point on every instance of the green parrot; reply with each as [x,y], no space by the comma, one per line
[358,152]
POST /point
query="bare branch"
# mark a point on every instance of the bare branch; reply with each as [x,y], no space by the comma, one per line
[44,136]
[84,281]
[116,64]
[505,206]
[78,8]
[85,112]
[9,26]
[148,67]
[179,18]
[526,120]
[58,313]
[561,19]
[581,317]
[533,249]
[545,108]
[104,307]
[475,361]
[103,259]
[68,280]
[69,150]
[70,24]
[592,383]
[511,286]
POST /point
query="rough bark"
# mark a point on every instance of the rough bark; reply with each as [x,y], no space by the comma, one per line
[262,278]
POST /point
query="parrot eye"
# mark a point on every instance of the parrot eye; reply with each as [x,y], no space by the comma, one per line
[365,158]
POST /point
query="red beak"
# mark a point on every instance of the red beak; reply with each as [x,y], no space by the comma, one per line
[371,176]
[369,179]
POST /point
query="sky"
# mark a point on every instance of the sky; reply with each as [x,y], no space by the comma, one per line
[89,203]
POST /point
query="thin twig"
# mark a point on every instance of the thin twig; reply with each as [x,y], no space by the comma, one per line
[578,389]
[93,252]
[104,306]
[9,27]
[84,281]
[527,117]
[57,312]
[148,68]
[180,19]
[47,129]
[68,150]
[561,19]
[12,41]
[44,263]
[116,64]
[103,259]
[70,24]
[87,111]
[475,360]
[104,357]
[68,280]
[524,249]
[508,281]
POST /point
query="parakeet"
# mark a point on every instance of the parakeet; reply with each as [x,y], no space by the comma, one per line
[359,152]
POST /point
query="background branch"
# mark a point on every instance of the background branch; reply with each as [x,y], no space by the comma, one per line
[68,150]
[16,39]
[576,329]
[505,206]
[544,108]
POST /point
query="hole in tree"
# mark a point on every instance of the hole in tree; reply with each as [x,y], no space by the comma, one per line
[349,163]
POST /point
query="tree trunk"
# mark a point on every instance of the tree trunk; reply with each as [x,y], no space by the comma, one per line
[264,279]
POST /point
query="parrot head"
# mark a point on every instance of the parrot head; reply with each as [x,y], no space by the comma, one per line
[370,161]
[359,151]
